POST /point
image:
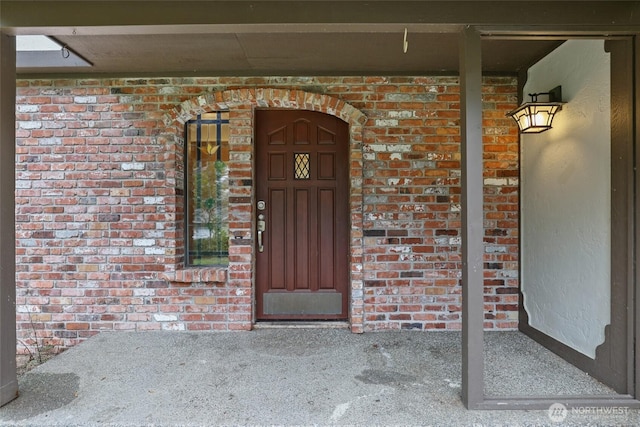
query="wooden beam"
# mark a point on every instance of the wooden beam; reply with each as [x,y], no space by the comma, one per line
[634,286]
[100,13]
[8,379]
[472,219]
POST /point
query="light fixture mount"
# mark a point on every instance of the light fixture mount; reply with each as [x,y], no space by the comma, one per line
[535,116]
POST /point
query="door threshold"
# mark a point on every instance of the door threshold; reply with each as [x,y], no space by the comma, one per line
[301,325]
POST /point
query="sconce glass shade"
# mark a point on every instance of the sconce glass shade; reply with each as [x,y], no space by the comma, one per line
[535,117]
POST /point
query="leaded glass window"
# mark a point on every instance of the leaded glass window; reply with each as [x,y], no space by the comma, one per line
[301,166]
[207,195]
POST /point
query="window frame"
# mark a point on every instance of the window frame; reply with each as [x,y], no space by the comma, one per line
[198,120]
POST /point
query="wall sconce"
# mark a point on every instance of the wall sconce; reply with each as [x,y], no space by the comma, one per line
[536,117]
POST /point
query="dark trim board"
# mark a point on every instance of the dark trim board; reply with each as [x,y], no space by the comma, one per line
[472,216]
[541,403]
[102,16]
[634,272]
[8,376]
[620,336]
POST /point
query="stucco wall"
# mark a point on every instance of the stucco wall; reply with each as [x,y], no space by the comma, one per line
[99,210]
[566,196]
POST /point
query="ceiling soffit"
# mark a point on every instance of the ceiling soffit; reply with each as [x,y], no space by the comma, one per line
[295,38]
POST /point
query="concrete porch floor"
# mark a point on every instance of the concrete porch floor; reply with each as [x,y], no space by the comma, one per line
[291,377]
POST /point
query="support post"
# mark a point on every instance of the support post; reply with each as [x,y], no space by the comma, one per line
[634,285]
[8,378]
[472,219]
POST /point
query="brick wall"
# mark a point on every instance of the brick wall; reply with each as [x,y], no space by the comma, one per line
[98,203]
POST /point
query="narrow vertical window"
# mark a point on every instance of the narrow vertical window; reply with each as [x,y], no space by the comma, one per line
[207,195]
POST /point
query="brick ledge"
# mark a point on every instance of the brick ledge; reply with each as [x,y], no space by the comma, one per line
[197,275]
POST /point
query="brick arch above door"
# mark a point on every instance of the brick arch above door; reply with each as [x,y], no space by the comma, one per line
[238,279]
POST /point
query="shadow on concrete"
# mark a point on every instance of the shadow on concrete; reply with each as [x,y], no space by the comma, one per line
[287,377]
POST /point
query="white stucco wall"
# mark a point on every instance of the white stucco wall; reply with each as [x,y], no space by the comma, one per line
[565,187]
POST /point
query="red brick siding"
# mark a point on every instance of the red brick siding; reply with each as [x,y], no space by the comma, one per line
[501,201]
[99,205]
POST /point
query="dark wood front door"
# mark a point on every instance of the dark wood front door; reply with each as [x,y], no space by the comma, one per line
[302,189]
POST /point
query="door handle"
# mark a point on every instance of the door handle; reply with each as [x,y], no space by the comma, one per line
[261,229]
